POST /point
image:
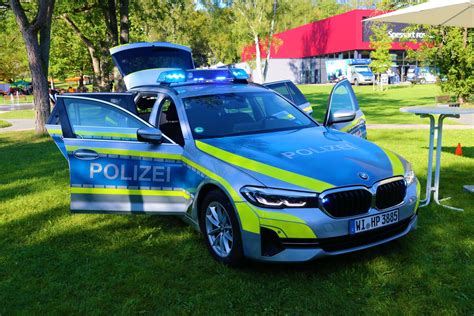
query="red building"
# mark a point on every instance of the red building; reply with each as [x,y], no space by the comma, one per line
[302,51]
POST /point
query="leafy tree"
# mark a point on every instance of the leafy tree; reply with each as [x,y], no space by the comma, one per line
[257,19]
[179,21]
[381,43]
[69,62]
[450,49]
[12,49]
[96,24]
[34,21]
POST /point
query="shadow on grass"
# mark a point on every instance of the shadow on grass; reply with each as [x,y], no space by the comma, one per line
[467,152]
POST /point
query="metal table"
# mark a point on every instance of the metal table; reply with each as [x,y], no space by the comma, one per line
[442,112]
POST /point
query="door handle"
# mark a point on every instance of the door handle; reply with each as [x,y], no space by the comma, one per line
[85,154]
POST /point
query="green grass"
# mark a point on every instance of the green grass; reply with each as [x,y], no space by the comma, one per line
[55,262]
[20,114]
[379,107]
[4,124]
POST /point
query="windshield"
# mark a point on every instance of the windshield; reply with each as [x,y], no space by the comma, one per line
[362,69]
[242,113]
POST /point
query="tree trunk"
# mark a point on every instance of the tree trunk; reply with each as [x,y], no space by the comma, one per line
[119,85]
[124,22]
[96,64]
[258,60]
[270,40]
[37,36]
[81,79]
[39,82]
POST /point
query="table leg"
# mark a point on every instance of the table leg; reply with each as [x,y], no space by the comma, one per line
[438,164]
[429,181]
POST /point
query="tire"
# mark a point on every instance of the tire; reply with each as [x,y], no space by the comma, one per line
[422,81]
[356,82]
[218,222]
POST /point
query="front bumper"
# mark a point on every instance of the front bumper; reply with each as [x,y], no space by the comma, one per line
[319,235]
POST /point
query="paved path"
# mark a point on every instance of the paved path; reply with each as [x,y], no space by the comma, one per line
[19,125]
[415,126]
[25,106]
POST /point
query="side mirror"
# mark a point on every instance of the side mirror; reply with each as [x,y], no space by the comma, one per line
[341,116]
[149,135]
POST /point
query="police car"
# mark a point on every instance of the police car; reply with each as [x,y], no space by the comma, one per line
[238,161]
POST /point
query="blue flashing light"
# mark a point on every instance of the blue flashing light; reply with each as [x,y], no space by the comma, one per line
[202,75]
[172,76]
[239,73]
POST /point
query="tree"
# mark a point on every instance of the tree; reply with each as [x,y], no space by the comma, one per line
[450,49]
[36,32]
[179,21]
[96,24]
[257,19]
[12,49]
[69,62]
[381,43]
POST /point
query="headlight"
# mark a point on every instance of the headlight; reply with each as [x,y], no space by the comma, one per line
[276,198]
[409,175]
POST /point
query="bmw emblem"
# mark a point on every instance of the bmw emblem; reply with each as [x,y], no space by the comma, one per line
[363,175]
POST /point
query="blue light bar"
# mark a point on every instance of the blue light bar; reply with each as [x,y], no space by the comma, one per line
[202,75]
[239,73]
[172,76]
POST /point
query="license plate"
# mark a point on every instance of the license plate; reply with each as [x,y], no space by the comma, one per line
[364,224]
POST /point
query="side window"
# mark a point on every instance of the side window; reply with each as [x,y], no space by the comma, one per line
[145,105]
[342,98]
[169,123]
[298,97]
[92,119]
[281,89]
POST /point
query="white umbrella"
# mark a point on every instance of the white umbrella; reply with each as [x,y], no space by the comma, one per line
[434,12]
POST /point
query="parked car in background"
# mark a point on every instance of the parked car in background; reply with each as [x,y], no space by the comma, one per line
[421,75]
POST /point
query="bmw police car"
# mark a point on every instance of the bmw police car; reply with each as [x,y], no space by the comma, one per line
[240,162]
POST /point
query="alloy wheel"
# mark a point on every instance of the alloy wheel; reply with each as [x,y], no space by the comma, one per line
[219,229]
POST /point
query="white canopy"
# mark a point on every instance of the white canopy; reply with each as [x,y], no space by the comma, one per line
[434,12]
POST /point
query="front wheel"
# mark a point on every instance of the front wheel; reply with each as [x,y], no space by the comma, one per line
[221,229]
[356,82]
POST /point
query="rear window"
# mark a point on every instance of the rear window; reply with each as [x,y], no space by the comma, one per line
[133,60]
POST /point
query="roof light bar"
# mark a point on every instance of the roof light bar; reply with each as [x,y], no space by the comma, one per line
[172,76]
[202,75]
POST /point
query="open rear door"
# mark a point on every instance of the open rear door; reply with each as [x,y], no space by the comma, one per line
[342,98]
[138,62]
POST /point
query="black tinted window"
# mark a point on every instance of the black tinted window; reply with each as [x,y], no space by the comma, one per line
[137,59]
[281,89]
[298,97]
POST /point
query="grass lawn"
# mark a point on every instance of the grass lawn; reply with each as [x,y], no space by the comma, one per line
[55,262]
[4,124]
[379,107]
[20,114]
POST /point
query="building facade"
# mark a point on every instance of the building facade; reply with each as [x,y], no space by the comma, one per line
[302,52]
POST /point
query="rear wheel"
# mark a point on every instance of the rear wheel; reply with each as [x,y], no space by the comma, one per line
[221,229]
[356,82]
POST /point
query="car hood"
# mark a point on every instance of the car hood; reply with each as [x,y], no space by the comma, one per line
[312,158]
